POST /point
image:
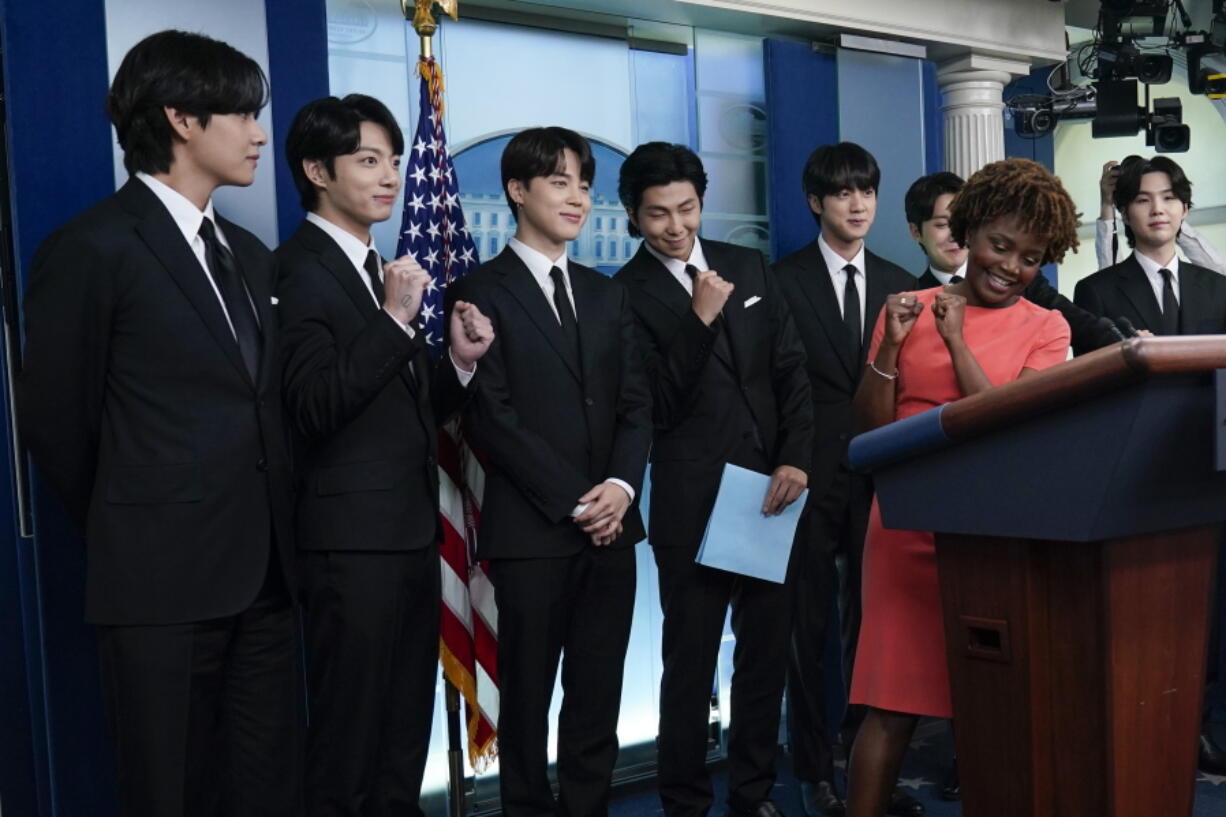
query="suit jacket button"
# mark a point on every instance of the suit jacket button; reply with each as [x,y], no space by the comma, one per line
[589,401]
[430,462]
[261,464]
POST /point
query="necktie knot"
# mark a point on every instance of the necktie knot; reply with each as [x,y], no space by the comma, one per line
[207,231]
[691,271]
[372,272]
[559,280]
[1171,323]
[956,279]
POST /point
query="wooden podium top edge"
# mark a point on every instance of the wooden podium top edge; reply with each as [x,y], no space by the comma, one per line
[1081,378]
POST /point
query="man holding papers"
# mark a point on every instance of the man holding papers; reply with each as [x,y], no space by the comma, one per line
[729,386]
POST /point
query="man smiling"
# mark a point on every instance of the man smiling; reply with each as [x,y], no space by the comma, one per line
[1153,288]
[563,412]
[728,386]
[365,402]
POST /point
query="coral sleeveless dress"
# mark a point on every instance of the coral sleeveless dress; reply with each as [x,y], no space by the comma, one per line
[900,660]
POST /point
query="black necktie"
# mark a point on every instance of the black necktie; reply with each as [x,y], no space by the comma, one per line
[693,271]
[1170,304]
[851,312]
[956,279]
[234,295]
[566,313]
[372,272]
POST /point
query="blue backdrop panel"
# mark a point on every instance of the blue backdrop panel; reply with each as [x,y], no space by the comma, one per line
[934,120]
[298,70]
[882,108]
[60,153]
[802,113]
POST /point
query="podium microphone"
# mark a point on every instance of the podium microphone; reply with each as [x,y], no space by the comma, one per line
[1125,326]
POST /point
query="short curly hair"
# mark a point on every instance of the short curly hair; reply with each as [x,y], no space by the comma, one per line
[1023,188]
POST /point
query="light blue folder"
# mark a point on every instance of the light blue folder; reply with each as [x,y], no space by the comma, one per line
[739,538]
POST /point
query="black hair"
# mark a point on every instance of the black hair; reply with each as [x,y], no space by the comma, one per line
[539,152]
[832,169]
[1128,185]
[192,73]
[922,196]
[331,127]
[654,164]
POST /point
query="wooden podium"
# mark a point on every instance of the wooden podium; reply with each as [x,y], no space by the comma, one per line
[1078,514]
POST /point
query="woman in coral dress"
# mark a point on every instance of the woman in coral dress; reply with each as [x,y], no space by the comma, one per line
[929,348]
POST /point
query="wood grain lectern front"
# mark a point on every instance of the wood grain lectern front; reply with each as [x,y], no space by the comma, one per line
[1077,515]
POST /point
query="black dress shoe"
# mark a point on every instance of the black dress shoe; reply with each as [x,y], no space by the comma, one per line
[951,787]
[762,808]
[820,800]
[904,805]
[1212,758]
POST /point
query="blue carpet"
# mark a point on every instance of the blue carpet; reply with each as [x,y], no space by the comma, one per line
[923,771]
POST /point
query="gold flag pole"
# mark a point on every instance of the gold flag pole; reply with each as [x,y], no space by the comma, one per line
[421,12]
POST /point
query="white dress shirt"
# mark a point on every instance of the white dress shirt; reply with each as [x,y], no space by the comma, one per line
[356,250]
[1156,281]
[838,276]
[188,218]
[539,265]
[944,277]
[1191,243]
[677,266]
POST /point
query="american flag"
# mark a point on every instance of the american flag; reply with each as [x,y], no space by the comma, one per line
[432,230]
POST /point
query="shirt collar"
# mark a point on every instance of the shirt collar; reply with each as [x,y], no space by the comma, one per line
[1151,267]
[836,262]
[537,262]
[944,277]
[187,216]
[675,265]
[353,247]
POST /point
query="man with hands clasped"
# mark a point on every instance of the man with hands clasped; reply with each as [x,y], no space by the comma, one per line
[563,412]
[365,402]
[728,386]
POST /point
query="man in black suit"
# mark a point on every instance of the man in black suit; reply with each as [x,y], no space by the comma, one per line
[728,386]
[562,410]
[835,287]
[150,402]
[927,206]
[1153,288]
[365,402]
[1158,292]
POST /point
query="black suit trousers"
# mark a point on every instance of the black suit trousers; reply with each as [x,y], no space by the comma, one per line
[579,608]
[695,601]
[206,716]
[841,517]
[371,626]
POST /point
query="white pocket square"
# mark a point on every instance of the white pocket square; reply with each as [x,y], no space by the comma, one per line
[751,301]
[275,300]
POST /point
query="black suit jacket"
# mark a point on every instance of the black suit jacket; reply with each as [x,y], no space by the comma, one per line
[805,282]
[745,402]
[367,445]
[553,425]
[1122,290]
[1088,333]
[140,414]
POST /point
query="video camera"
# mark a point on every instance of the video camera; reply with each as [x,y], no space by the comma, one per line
[1133,46]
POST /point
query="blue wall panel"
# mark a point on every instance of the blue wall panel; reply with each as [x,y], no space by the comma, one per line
[298,73]
[802,114]
[60,162]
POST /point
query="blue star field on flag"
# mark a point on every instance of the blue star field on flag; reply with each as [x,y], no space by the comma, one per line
[432,228]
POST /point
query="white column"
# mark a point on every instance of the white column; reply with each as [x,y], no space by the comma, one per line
[973,109]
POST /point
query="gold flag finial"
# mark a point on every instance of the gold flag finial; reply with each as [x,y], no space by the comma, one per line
[421,12]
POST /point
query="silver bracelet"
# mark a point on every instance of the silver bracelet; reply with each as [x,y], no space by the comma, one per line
[873,366]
